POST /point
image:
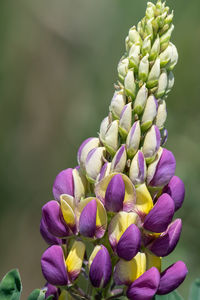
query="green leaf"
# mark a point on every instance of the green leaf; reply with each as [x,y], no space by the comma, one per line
[10,286]
[172,296]
[38,295]
[195,290]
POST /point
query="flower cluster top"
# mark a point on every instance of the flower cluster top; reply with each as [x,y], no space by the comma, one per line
[111,220]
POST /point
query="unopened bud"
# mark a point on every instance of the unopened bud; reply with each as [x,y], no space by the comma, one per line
[134,56]
[154,74]
[123,68]
[125,120]
[117,104]
[85,148]
[138,169]
[150,112]
[155,50]
[149,28]
[166,55]
[134,36]
[161,114]
[94,162]
[164,136]
[140,28]
[151,144]
[164,39]
[111,138]
[170,82]
[169,18]
[140,100]
[103,129]
[150,10]
[119,161]
[162,84]
[105,171]
[144,68]
[146,46]
[174,58]
[133,139]
[129,84]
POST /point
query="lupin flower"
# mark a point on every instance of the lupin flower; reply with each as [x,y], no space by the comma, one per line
[125,182]
[52,291]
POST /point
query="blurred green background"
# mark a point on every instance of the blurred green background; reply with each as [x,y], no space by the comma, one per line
[58,64]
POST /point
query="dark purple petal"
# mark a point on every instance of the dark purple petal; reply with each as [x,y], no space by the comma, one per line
[87,221]
[47,236]
[101,268]
[52,291]
[172,277]
[161,214]
[176,190]
[145,287]
[63,184]
[165,244]
[51,212]
[103,171]
[165,169]
[81,147]
[53,266]
[115,194]
[129,243]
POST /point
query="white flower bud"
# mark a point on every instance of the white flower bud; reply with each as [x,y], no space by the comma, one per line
[161,114]
[134,36]
[117,104]
[144,68]
[138,169]
[133,139]
[125,120]
[149,28]
[134,56]
[150,10]
[151,143]
[119,160]
[123,68]
[166,55]
[103,128]
[85,148]
[150,112]
[155,50]
[169,18]
[170,82]
[105,171]
[162,84]
[94,162]
[152,167]
[154,74]
[174,58]
[111,138]
[129,84]
[164,39]
[146,46]
[140,100]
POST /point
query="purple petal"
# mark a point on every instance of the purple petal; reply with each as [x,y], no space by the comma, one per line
[51,212]
[53,266]
[157,131]
[161,214]
[172,277]
[115,194]
[176,190]
[63,184]
[119,155]
[82,146]
[165,169]
[87,221]
[101,268]
[129,243]
[52,291]
[165,244]
[47,236]
[145,287]
[141,163]
[103,171]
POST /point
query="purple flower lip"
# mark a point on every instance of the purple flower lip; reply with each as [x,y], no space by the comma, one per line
[87,222]
[47,236]
[172,277]
[129,243]
[82,146]
[52,214]
[176,190]
[63,184]
[161,214]
[166,243]
[53,266]
[115,193]
[101,268]
[144,287]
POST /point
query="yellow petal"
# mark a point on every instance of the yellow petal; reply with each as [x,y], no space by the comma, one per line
[74,259]
[67,211]
[144,202]
[118,225]
[128,271]
[153,261]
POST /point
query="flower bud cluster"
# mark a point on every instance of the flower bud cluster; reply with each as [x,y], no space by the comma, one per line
[122,196]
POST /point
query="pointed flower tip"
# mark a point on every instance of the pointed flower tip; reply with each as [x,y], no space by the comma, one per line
[115,193]
[87,221]
[176,190]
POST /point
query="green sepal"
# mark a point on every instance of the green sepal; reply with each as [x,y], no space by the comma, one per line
[145,126]
[172,296]
[38,294]
[10,286]
[195,290]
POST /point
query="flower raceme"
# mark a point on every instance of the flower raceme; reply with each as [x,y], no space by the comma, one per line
[112,217]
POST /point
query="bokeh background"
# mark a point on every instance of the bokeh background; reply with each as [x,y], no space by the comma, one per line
[58,64]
